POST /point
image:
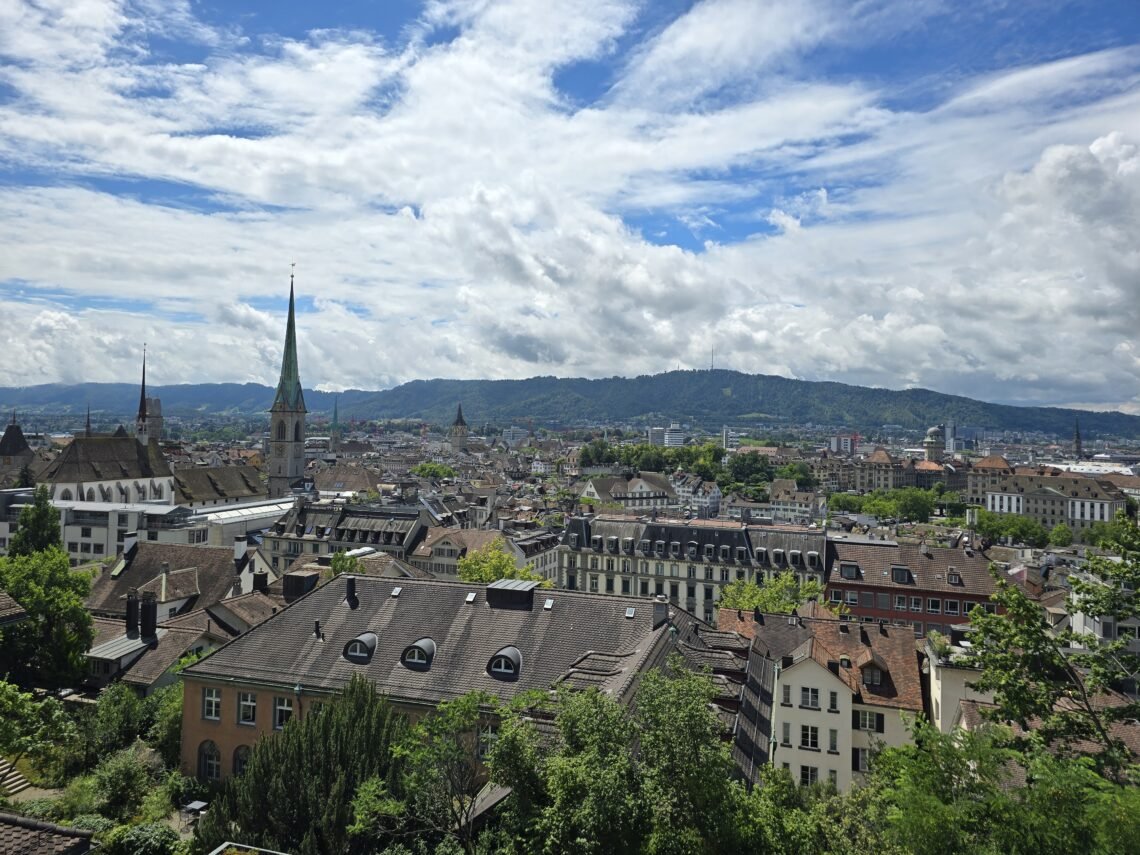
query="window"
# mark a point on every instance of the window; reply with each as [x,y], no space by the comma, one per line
[488,735]
[916,604]
[900,575]
[809,736]
[833,741]
[809,698]
[643,588]
[209,761]
[609,584]
[572,581]
[951,607]
[282,712]
[211,703]
[85,532]
[836,595]
[860,759]
[787,733]
[659,568]
[787,696]
[900,603]
[883,601]
[867,599]
[593,583]
[708,592]
[691,591]
[833,701]
[934,606]
[849,571]
[247,708]
[724,574]
[808,775]
[852,598]
[869,721]
[415,656]
[692,572]
[833,777]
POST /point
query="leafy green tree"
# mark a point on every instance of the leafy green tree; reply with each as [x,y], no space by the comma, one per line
[492,562]
[297,791]
[120,718]
[30,727]
[155,838]
[164,732]
[123,780]
[1061,535]
[48,648]
[443,773]
[778,596]
[38,526]
[435,471]
[1051,683]
[799,472]
[342,562]
[914,505]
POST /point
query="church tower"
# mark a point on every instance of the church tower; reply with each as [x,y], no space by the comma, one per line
[142,425]
[458,434]
[1077,449]
[287,418]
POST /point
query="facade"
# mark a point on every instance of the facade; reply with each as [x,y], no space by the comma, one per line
[420,642]
[1052,500]
[907,585]
[821,694]
[674,436]
[117,468]
[986,475]
[643,491]
[687,562]
[286,459]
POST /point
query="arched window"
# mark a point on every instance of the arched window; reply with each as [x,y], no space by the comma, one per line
[65,496]
[356,648]
[91,494]
[506,664]
[418,656]
[297,432]
[241,758]
[281,429]
[158,491]
[361,648]
[209,761]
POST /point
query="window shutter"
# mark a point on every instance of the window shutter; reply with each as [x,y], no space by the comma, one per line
[880,720]
[854,719]
[854,759]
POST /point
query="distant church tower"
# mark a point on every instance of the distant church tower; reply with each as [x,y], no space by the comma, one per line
[458,434]
[148,422]
[287,418]
[1078,451]
[334,428]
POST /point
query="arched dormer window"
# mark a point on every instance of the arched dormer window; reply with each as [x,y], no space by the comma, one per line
[297,432]
[361,648]
[418,656]
[506,664]
[281,430]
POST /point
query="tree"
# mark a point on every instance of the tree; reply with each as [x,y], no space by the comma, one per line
[120,718]
[48,648]
[442,769]
[799,472]
[492,562]
[1061,535]
[435,471]
[1052,683]
[778,596]
[297,791]
[914,505]
[38,526]
[30,727]
[342,562]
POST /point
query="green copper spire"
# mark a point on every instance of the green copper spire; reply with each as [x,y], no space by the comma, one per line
[289,395]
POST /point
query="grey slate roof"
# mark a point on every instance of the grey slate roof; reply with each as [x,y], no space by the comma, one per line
[106,458]
[10,610]
[26,836]
[13,443]
[217,483]
[577,632]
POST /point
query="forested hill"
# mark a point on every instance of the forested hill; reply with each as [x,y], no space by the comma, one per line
[709,398]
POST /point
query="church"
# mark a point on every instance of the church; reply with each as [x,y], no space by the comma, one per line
[286,458]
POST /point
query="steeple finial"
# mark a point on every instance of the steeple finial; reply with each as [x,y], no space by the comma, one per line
[289,395]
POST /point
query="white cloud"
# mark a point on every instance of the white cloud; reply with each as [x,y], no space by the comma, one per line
[454,213]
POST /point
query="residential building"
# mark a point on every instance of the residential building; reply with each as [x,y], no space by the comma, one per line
[1060,499]
[906,584]
[984,476]
[822,694]
[420,642]
[952,673]
[674,436]
[642,491]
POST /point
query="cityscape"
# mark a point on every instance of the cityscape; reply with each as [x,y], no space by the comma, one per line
[582,535]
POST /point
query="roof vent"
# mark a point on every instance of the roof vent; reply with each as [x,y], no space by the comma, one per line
[630,612]
[548,605]
[470,598]
[396,591]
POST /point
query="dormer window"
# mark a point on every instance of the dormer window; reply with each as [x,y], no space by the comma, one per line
[849,571]
[506,664]
[573,541]
[872,676]
[361,648]
[418,655]
[953,577]
[900,575]
[596,542]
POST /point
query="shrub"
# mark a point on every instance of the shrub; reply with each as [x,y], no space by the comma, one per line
[154,838]
[93,822]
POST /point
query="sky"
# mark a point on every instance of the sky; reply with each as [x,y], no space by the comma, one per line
[892,193]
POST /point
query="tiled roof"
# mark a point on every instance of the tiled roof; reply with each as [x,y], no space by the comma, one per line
[993,461]
[217,483]
[163,656]
[284,650]
[106,458]
[13,443]
[929,567]
[20,834]
[10,610]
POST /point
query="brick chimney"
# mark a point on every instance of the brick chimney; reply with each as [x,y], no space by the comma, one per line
[149,618]
[132,612]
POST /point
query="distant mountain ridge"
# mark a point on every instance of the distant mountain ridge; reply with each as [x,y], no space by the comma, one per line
[707,398]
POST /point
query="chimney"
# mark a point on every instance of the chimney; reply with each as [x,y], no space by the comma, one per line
[261,581]
[132,612]
[863,637]
[240,544]
[130,543]
[324,560]
[163,580]
[316,629]
[660,610]
[350,588]
[149,617]
[833,666]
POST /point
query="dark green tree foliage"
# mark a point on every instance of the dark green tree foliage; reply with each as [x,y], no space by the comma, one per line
[48,648]
[1021,529]
[297,792]
[38,526]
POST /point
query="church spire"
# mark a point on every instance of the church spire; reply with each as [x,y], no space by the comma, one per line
[459,422]
[140,419]
[1077,450]
[289,395]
